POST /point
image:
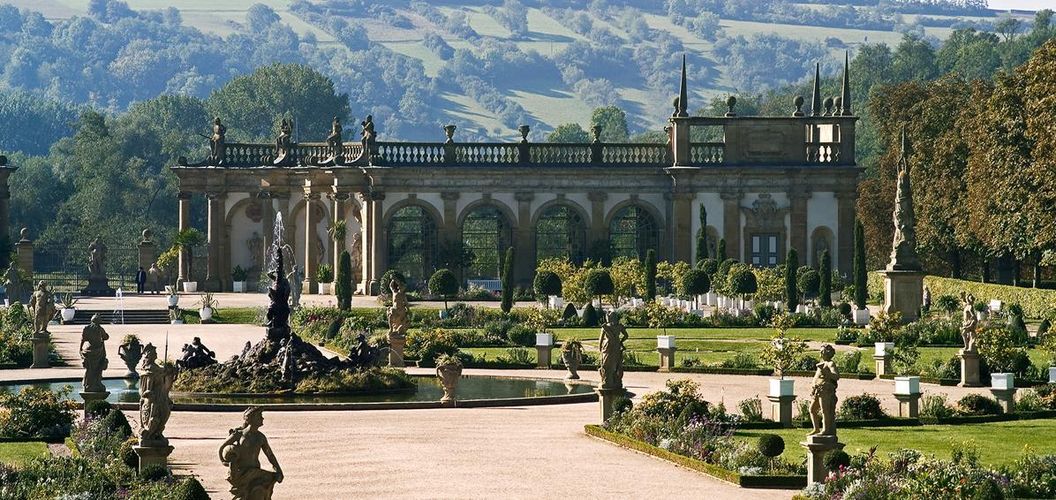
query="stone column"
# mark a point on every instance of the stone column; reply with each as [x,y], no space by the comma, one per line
[213,281]
[184,202]
[524,258]
[267,228]
[845,214]
[682,226]
[311,253]
[24,252]
[731,223]
[797,230]
[781,409]
[339,204]
[599,231]
[374,259]
[817,446]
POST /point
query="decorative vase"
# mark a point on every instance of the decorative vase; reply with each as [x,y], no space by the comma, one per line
[449,374]
[173,300]
[68,314]
[206,313]
[131,353]
[572,359]
[782,387]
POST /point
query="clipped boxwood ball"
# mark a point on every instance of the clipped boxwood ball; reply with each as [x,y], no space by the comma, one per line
[771,445]
[622,404]
[189,489]
[97,409]
[835,459]
[154,472]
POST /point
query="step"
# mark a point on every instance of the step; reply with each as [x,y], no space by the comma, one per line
[131,317]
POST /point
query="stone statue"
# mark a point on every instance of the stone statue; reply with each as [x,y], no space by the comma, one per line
[926,300]
[42,303]
[154,275]
[155,406]
[278,315]
[823,392]
[357,254]
[334,142]
[368,131]
[283,142]
[397,313]
[255,244]
[296,282]
[196,355]
[240,453]
[613,335]
[216,142]
[97,258]
[13,283]
[93,356]
[969,322]
[904,246]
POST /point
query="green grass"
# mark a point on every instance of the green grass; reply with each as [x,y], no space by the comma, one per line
[998,443]
[761,334]
[18,454]
[225,315]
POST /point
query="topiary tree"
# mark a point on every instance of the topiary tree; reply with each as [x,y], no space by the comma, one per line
[860,277]
[570,312]
[710,266]
[387,279]
[770,445]
[650,275]
[444,284]
[546,284]
[507,282]
[791,295]
[694,282]
[742,282]
[598,282]
[720,251]
[590,315]
[702,235]
[836,459]
[808,281]
[343,287]
[825,285]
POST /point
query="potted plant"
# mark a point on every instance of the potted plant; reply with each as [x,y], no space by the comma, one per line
[130,351]
[572,357]
[173,296]
[68,309]
[175,316]
[782,353]
[238,280]
[186,241]
[208,305]
[448,370]
[981,310]
[325,276]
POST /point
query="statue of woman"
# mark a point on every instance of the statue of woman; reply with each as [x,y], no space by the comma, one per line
[823,392]
[398,311]
[969,322]
[613,334]
[240,453]
[97,258]
[155,406]
[94,355]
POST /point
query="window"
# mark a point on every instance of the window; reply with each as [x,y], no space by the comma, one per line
[764,250]
[560,233]
[633,232]
[486,234]
[412,242]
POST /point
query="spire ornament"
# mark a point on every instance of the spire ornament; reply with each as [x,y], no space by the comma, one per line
[845,95]
[904,247]
[815,99]
[683,93]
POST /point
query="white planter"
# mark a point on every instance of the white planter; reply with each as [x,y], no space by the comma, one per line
[995,305]
[68,314]
[324,288]
[782,387]
[665,341]
[544,340]
[238,287]
[980,315]
[801,309]
[883,348]
[176,322]
[206,313]
[861,317]
[190,286]
[173,300]
[556,302]
[907,385]
[1002,381]
[1052,374]
[709,298]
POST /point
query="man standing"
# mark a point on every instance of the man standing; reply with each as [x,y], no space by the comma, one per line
[141,280]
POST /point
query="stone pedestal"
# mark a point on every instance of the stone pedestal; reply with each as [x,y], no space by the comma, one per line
[781,409]
[152,455]
[904,293]
[908,405]
[542,355]
[98,286]
[969,369]
[40,351]
[606,399]
[94,396]
[1006,398]
[396,352]
[817,446]
[883,364]
[667,359]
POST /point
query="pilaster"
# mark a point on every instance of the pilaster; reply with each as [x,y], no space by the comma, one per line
[731,223]
[797,231]
[184,202]
[845,214]
[524,260]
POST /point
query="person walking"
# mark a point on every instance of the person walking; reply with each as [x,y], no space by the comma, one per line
[141,280]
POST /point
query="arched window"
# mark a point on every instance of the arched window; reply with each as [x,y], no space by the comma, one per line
[412,242]
[560,233]
[486,235]
[633,232]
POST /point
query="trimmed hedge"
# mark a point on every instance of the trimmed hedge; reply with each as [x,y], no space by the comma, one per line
[1036,302]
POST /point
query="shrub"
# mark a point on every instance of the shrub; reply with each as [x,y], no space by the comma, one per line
[709,266]
[848,362]
[845,310]
[860,276]
[791,293]
[847,334]
[116,423]
[861,407]
[650,275]
[837,459]
[189,489]
[507,281]
[324,274]
[1044,327]
[947,304]
[825,285]
[743,282]
[521,335]
[570,312]
[808,281]
[741,361]
[546,284]
[997,346]
[127,454]
[343,287]
[97,409]
[694,282]
[590,315]
[598,282]
[751,410]
[935,406]
[516,356]
[622,404]
[36,412]
[764,313]
[387,279]
[443,284]
[977,404]
[154,472]
[427,344]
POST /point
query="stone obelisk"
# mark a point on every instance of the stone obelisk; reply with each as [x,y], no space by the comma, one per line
[904,277]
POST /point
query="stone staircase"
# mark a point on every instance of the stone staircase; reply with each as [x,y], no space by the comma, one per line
[131,317]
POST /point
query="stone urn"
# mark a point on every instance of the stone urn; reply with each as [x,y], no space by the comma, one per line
[449,371]
[572,357]
[131,352]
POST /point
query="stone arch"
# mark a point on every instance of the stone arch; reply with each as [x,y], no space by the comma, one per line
[821,239]
[412,227]
[634,227]
[551,240]
[295,222]
[244,229]
[486,229]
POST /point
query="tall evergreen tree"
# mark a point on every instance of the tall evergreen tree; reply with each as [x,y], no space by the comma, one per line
[507,282]
[825,288]
[791,292]
[702,236]
[860,277]
[720,252]
[650,274]
[343,287]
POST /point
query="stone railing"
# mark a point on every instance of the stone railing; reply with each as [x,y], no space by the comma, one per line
[407,153]
[636,154]
[823,153]
[707,153]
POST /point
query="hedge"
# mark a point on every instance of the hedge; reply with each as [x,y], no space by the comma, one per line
[1036,302]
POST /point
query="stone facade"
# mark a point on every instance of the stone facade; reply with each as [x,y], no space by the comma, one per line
[768,184]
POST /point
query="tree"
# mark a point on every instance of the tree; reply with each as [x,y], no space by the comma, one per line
[260,17]
[860,277]
[742,281]
[808,282]
[546,284]
[507,282]
[613,123]
[825,286]
[444,284]
[694,282]
[650,275]
[186,241]
[568,133]
[720,252]
[343,287]
[791,295]
[702,236]
[598,282]
[914,59]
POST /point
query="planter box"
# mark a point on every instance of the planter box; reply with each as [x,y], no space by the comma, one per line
[556,302]
[861,317]
[782,387]
[206,313]
[544,340]
[665,341]
[238,287]
[1052,374]
[884,348]
[1002,381]
[907,386]
[995,305]
[324,288]
[190,286]
[68,314]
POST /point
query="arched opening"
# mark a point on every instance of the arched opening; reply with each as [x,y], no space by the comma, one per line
[412,243]
[632,232]
[485,235]
[560,233]
[821,240]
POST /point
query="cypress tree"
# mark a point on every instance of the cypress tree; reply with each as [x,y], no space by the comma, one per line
[791,292]
[507,282]
[860,278]
[650,275]
[343,287]
[825,288]
[702,236]
[721,250]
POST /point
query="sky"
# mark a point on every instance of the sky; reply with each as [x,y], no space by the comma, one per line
[1022,4]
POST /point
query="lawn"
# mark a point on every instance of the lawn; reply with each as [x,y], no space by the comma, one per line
[18,454]
[998,443]
[227,316]
[760,334]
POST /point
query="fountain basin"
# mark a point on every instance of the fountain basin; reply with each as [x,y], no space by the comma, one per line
[473,391]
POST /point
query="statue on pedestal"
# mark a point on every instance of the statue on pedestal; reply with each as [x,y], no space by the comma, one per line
[284,142]
[13,283]
[42,303]
[334,142]
[296,283]
[97,259]
[969,322]
[155,406]
[613,335]
[216,142]
[397,313]
[823,392]
[93,356]
[240,453]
